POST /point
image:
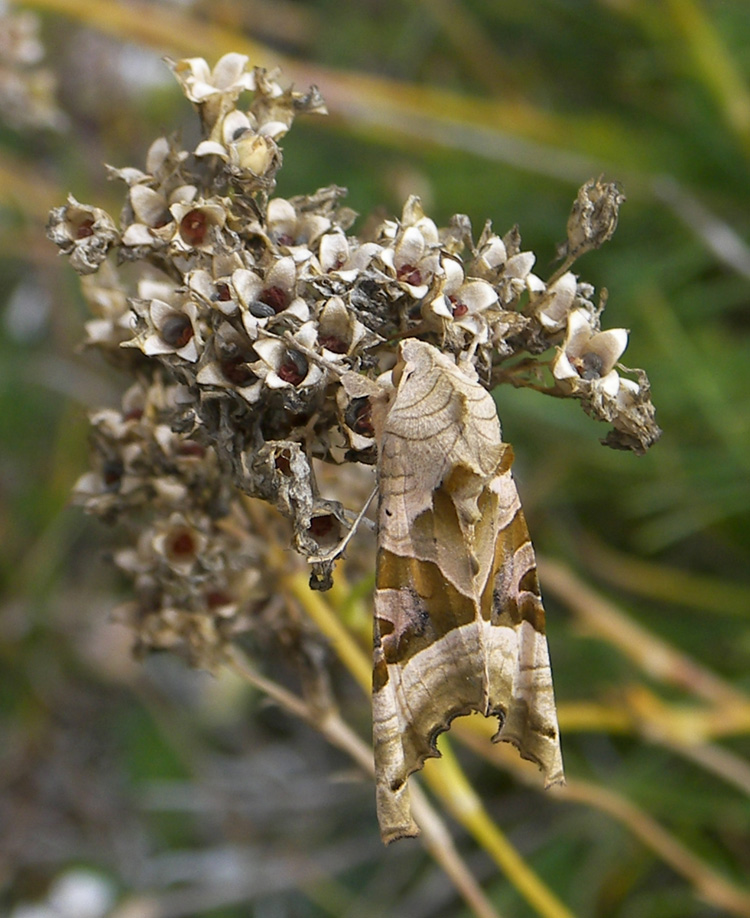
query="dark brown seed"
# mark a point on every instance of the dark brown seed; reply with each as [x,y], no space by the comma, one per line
[321,526]
[193,227]
[177,330]
[358,416]
[275,297]
[84,229]
[409,275]
[283,464]
[181,543]
[190,448]
[333,344]
[218,598]
[294,369]
[237,371]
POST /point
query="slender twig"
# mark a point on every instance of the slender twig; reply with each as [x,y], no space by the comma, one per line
[708,884]
[578,716]
[345,647]
[676,725]
[562,268]
[683,730]
[652,654]
[339,549]
[438,841]
[660,581]
[720,761]
[435,835]
[719,238]
[700,724]
[713,64]
[446,779]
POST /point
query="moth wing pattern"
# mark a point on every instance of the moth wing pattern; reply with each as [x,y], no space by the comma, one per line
[459,622]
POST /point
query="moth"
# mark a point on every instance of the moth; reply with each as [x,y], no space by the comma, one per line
[459,622]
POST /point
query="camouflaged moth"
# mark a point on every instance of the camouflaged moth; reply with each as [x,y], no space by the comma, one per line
[459,621]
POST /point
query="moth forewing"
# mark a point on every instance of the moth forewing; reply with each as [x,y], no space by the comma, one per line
[517,626]
[459,624]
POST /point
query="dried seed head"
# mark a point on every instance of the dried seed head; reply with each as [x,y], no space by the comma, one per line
[593,218]
[264,335]
[84,233]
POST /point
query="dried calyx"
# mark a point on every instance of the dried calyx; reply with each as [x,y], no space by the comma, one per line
[247,310]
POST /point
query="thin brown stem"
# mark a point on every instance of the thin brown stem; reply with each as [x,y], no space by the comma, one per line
[654,655]
[435,835]
[708,884]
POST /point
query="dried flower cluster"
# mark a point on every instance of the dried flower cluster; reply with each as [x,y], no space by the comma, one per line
[26,88]
[248,310]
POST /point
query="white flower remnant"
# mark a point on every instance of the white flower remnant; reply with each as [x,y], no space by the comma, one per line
[239,312]
[588,357]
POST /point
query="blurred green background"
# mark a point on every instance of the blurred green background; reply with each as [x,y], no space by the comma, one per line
[184,794]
